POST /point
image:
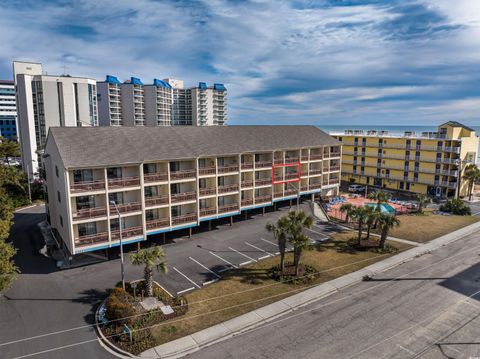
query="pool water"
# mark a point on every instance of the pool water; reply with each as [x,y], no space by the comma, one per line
[384,207]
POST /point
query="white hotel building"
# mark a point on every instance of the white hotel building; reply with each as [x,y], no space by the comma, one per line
[169,178]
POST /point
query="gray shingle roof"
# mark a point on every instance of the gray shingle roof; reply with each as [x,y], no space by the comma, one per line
[103,146]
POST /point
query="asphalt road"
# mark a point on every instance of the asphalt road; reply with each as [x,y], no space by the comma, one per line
[425,308]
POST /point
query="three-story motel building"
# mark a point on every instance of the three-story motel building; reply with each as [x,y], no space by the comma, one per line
[170,178]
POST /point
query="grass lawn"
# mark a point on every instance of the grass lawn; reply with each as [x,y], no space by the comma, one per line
[424,228]
[248,288]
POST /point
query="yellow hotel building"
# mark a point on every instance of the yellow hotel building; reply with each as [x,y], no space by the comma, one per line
[427,162]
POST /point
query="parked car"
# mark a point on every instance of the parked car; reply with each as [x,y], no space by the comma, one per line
[354,188]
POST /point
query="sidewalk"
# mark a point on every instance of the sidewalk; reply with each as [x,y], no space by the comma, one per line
[191,343]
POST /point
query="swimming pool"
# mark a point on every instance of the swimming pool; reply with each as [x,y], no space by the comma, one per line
[384,207]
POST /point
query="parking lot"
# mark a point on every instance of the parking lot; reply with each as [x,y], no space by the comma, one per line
[204,258]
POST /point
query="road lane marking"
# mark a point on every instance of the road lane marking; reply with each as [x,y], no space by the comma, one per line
[242,254]
[183,275]
[223,259]
[260,249]
[185,290]
[200,264]
[407,350]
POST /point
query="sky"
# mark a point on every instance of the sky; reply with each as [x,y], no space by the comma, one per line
[323,62]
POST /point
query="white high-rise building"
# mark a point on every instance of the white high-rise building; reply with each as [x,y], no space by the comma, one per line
[158,103]
[133,102]
[209,105]
[45,101]
[110,102]
[8,110]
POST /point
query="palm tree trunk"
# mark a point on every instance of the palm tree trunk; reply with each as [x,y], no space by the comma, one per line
[149,281]
[470,190]
[297,262]
[360,230]
[368,231]
[383,237]
[282,248]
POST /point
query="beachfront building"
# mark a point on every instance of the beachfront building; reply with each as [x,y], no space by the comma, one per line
[8,110]
[45,101]
[163,179]
[429,162]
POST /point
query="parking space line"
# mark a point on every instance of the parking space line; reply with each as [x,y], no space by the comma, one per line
[264,257]
[210,282]
[245,263]
[222,259]
[185,290]
[200,264]
[242,254]
[274,244]
[164,289]
[183,275]
[260,249]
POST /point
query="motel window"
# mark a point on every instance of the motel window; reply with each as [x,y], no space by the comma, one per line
[149,168]
[114,172]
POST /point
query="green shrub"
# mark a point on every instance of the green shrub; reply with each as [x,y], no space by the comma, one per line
[119,306]
[456,206]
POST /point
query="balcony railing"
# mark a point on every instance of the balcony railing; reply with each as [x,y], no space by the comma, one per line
[90,213]
[263,199]
[304,188]
[208,191]
[227,169]
[123,182]
[246,165]
[85,186]
[126,207]
[290,176]
[315,185]
[292,159]
[155,177]
[228,188]
[207,171]
[157,200]
[263,164]
[247,183]
[191,217]
[228,208]
[247,202]
[334,154]
[184,174]
[289,192]
[208,211]
[91,239]
[158,223]
[277,194]
[263,181]
[315,171]
[278,161]
[334,168]
[304,158]
[185,196]
[316,157]
[127,232]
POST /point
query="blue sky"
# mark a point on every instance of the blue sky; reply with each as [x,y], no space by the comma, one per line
[325,62]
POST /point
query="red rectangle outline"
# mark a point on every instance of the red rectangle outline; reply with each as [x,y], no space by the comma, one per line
[293,164]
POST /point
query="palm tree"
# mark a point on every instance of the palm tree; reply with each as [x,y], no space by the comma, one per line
[423,200]
[371,218]
[387,222]
[347,209]
[472,176]
[279,231]
[380,197]
[297,221]
[149,258]
[360,214]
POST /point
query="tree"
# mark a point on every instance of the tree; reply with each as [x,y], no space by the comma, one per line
[387,222]
[456,206]
[360,214]
[279,231]
[380,197]
[472,176]
[423,200]
[347,209]
[8,269]
[9,149]
[297,221]
[150,258]
[372,216]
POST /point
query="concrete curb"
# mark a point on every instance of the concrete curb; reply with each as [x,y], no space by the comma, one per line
[196,341]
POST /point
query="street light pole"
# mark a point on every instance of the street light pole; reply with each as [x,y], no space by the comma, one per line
[28,180]
[298,194]
[113,203]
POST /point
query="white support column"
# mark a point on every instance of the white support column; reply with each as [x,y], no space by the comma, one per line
[169,195]
[142,201]
[69,211]
[197,186]
[109,230]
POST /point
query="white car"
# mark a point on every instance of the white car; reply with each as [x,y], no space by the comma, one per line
[354,188]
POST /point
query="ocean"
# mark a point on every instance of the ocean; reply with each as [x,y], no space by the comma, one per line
[391,129]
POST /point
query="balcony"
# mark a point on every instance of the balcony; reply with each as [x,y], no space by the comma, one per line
[126,207]
[155,201]
[228,208]
[316,157]
[292,160]
[263,199]
[315,171]
[182,197]
[315,185]
[263,181]
[304,158]
[263,164]
[91,239]
[86,213]
[247,183]
[184,174]
[155,177]
[191,217]
[452,149]
[123,182]
[227,169]
[335,168]
[335,154]
[87,186]
[277,194]
[207,171]
[303,188]
[278,161]
[290,176]
[289,192]
[247,202]
[210,211]
[127,233]
[208,191]
[246,165]
[158,223]
[228,188]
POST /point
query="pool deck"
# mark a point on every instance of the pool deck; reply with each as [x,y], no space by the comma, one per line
[359,202]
